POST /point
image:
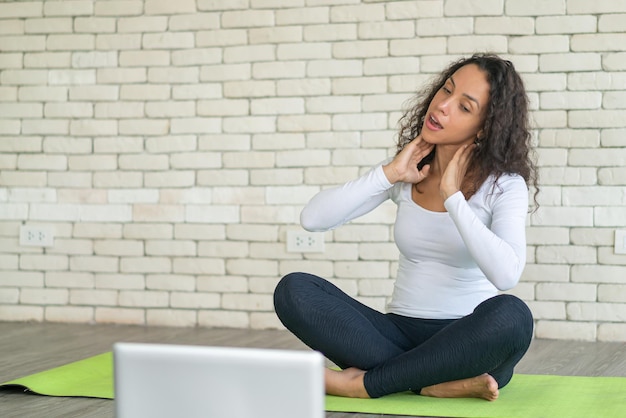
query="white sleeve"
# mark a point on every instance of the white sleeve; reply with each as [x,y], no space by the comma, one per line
[333,207]
[499,251]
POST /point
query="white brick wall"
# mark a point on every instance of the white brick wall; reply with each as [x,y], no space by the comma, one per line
[171,146]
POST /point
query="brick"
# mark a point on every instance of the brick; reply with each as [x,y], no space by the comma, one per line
[118,7]
[177,178]
[118,41]
[611,332]
[330,32]
[145,299]
[564,330]
[68,110]
[42,162]
[69,314]
[309,87]
[613,137]
[171,143]
[168,40]
[221,37]
[195,300]
[596,7]
[469,44]
[70,42]
[596,312]
[119,110]
[566,24]
[121,75]
[197,56]
[197,266]
[19,313]
[119,281]
[610,23]
[571,100]
[173,75]
[94,127]
[595,118]
[247,18]
[535,7]
[166,7]
[147,92]
[570,138]
[144,58]
[301,16]
[71,77]
[361,13]
[252,232]
[222,318]
[120,316]
[144,127]
[263,214]
[504,25]
[69,180]
[44,296]
[447,26]
[43,262]
[93,93]
[570,62]
[170,109]
[94,25]
[171,317]
[195,21]
[306,51]
[614,62]
[21,9]
[48,25]
[282,34]
[386,30]
[142,24]
[36,93]
[11,60]
[598,42]
[171,282]
[68,8]
[12,27]
[95,59]
[247,302]
[547,310]
[595,80]
[22,43]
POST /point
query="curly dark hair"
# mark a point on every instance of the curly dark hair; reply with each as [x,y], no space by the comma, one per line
[505,146]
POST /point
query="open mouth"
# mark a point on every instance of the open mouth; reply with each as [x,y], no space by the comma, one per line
[434,122]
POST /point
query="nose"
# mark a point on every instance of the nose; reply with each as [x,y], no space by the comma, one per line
[444,105]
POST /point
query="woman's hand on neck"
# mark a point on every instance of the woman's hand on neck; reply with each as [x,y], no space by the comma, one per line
[452,165]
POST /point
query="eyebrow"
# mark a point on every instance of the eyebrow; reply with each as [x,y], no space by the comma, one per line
[465,94]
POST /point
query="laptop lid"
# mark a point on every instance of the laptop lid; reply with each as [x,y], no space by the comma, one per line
[163,380]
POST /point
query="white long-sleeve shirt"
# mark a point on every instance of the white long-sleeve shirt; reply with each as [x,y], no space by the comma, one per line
[449,261]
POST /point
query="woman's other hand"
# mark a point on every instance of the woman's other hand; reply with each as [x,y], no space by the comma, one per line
[453,176]
[404,166]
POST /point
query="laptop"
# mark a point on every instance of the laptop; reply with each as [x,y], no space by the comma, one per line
[166,380]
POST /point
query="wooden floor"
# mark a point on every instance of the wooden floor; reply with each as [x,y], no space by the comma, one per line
[28,348]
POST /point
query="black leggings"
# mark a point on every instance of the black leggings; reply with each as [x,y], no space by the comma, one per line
[401,353]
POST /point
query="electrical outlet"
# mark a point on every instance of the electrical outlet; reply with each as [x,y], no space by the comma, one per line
[620,241]
[36,236]
[305,242]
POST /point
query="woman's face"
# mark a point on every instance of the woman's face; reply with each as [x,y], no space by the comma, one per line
[457,112]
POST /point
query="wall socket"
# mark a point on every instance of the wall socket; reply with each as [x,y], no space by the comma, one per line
[36,236]
[305,242]
[620,241]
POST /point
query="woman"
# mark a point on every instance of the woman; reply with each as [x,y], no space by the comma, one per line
[460,179]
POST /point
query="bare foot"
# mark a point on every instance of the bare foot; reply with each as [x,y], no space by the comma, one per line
[483,386]
[347,383]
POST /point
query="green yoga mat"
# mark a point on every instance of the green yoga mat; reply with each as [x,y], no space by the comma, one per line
[525,396]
